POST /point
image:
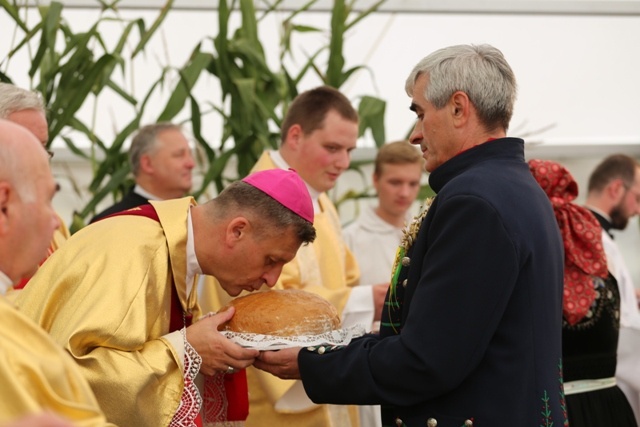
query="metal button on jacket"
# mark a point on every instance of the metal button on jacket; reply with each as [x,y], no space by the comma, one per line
[406,261]
[431,422]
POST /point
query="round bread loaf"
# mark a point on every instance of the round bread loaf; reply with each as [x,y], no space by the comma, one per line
[283,313]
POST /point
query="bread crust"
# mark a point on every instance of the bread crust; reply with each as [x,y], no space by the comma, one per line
[282,313]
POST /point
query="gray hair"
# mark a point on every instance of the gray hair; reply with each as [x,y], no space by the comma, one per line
[480,71]
[13,98]
[145,142]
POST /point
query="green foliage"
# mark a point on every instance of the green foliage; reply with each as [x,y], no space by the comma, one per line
[74,69]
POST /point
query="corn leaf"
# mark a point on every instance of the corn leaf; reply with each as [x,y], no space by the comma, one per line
[371,111]
[365,13]
[156,24]
[74,148]
[13,13]
[249,23]
[117,179]
[51,20]
[336,45]
[188,77]
[30,34]
[75,97]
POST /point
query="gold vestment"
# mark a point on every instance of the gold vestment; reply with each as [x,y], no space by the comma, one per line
[36,375]
[105,296]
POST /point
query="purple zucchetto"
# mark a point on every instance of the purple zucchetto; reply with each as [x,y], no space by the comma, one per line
[286,187]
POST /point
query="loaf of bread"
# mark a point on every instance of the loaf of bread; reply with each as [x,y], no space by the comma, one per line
[282,313]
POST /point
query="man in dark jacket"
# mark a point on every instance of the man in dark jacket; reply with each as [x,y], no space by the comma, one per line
[471,333]
[161,162]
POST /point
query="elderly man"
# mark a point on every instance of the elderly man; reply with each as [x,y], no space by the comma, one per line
[37,376]
[471,333]
[120,297]
[161,163]
[614,198]
[27,109]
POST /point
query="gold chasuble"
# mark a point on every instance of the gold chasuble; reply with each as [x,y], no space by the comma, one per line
[105,296]
[327,268]
[60,235]
[36,375]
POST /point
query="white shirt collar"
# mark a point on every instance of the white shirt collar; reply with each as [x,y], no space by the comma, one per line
[280,162]
[193,267]
[599,212]
[144,193]
[5,283]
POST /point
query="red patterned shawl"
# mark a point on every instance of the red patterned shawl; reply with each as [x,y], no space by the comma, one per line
[584,255]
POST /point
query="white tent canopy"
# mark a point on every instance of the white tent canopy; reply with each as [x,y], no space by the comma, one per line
[589,7]
[575,61]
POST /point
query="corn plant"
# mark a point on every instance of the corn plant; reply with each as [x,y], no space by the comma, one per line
[74,69]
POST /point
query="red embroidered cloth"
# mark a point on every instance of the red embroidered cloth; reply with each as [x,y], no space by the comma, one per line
[584,255]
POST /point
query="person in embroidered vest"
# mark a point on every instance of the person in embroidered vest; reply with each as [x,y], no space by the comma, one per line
[614,198]
[26,108]
[471,332]
[161,163]
[591,308]
[39,382]
[319,131]
[375,235]
[119,297]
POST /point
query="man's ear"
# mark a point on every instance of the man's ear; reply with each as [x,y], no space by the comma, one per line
[237,230]
[5,198]
[146,164]
[375,180]
[615,189]
[460,106]
[294,136]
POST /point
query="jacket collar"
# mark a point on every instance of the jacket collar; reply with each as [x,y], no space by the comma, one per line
[507,148]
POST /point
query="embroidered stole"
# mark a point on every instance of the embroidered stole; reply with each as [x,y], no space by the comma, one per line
[226,397]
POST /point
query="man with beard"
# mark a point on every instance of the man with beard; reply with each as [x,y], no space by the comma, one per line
[614,197]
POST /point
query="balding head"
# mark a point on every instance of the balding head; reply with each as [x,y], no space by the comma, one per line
[27,219]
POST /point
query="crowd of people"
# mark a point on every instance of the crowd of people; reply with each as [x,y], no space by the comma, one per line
[501,302]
